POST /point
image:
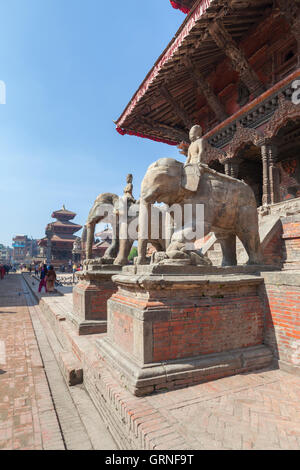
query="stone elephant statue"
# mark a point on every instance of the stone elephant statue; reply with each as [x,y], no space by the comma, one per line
[120,247]
[229,205]
[96,215]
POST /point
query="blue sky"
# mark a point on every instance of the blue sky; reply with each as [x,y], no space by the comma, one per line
[70,68]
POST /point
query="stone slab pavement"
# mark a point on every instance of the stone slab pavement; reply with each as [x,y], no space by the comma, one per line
[37,409]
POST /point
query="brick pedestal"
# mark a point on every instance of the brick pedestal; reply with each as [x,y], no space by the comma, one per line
[170,330]
[90,297]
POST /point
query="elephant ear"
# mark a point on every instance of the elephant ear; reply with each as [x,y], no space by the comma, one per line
[190,177]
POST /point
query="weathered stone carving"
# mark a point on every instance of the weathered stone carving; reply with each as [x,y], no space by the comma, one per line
[121,245]
[200,151]
[229,206]
[128,189]
[196,149]
[97,213]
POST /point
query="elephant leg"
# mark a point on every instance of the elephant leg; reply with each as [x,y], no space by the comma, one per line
[144,232]
[124,251]
[251,242]
[228,246]
[142,250]
[249,235]
[113,250]
[90,240]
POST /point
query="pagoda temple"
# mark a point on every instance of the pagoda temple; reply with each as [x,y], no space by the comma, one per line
[233,68]
[60,238]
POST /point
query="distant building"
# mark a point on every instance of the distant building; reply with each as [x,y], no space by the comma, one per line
[5,254]
[60,238]
[24,249]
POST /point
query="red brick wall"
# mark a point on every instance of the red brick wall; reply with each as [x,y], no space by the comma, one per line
[122,331]
[99,300]
[212,326]
[291,238]
[282,326]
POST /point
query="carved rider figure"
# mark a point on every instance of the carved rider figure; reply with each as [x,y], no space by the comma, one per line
[128,189]
[196,149]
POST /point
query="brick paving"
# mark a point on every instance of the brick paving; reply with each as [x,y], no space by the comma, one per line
[250,411]
[27,416]
[37,409]
[259,410]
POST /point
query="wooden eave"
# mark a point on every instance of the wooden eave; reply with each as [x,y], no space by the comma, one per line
[148,113]
[184,3]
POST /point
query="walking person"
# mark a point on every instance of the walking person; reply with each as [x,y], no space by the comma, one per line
[2,271]
[43,278]
[50,279]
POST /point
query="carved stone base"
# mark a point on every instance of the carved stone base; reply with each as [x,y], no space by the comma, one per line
[167,331]
[90,297]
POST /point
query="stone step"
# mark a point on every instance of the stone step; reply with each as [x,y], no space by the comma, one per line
[71,368]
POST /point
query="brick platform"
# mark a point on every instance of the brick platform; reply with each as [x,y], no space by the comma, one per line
[90,298]
[176,330]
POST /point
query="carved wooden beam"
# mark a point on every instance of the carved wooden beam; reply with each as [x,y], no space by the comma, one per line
[205,88]
[213,153]
[181,113]
[172,132]
[238,59]
[291,11]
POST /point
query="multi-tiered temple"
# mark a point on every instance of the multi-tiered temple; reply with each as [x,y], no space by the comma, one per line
[60,238]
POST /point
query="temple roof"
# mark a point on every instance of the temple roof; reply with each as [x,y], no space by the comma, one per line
[63,238]
[63,214]
[67,238]
[183,5]
[66,224]
[149,114]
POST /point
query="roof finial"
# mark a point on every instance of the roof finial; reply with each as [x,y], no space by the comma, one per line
[64,208]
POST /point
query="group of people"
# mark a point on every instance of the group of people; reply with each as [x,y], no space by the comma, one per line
[4,269]
[47,279]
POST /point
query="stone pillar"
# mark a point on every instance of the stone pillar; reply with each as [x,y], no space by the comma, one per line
[274,174]
[266,199]
[235,166]
[227,169]
[270,173]
[232,167]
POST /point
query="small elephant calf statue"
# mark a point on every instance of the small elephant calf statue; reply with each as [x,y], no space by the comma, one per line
[229,205]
